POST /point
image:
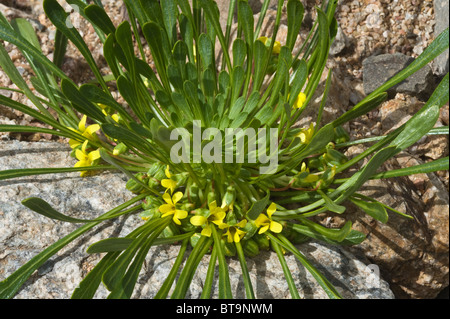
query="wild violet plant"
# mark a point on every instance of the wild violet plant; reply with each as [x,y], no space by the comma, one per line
[209,143]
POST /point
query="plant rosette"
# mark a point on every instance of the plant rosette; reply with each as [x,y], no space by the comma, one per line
[208,143]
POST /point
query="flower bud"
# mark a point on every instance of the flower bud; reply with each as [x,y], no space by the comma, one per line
[136,187]
[120,149]
[228,248]
[229,197]
[151,202]
[149,214]
[333,157]
[262,240]
[340,135]
[194,239]
[250,248]
[250,229]
[192,193]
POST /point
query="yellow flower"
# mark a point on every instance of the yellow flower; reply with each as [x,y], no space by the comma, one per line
[267,223]
[86,158]
[216,216]
[311,178]
[88,132]
[306,135]
[301,98]
[276,46]
[234,234]
[169,183]
[170,207]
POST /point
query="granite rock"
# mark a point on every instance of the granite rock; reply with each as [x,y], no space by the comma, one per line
[380,68]
[441,7]
[23,234]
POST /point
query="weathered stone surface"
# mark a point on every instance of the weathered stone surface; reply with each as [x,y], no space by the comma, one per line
[23,234]
[441,7]
[412,254]
[378,69]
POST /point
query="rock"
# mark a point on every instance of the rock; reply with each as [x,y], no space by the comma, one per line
[441,7]
[413,255]
[378,69]
[339,42]
[25,233]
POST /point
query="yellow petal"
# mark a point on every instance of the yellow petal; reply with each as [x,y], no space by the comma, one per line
[181,214]
[206,231]
[263,229]
[168,199]
[115,117]
[91,130]
[176,197]
[223,226]
[94,155]
[261,220]
[198,220]
[218,216]
[84,146]
[275,227]
[74,143]
[167,171]
[212,206]
[81,164]
[238,235]
[242,223]
[80,155]
[263,39]
[82,124]
[169,184]
[272,208]
[276,47]
[229,236]
[166,208]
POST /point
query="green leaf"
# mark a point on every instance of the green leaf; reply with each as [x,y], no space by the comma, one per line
[224,276]
[60,48]
[170,14]
[330,205]
[361,109]
[159,46]
[211,13]
[110,245]
[257,207]
[261,56]
[168,282]
[43,208]
[128,281]
[245,274]
[239,52]
[295,13]
[375,210]
[80,102]
[8,34]
[206,50]
[246,21]
[190,267]
[112,277]
[59,17]
[152,9]
[99,17]
[354,237]
[11,71]
[441,164]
